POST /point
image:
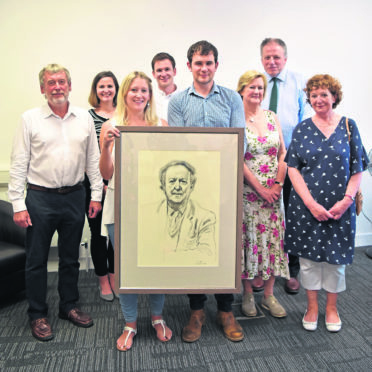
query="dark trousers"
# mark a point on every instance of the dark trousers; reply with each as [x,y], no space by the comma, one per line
[102,252]
[224,301]
[294,262]
[52,212]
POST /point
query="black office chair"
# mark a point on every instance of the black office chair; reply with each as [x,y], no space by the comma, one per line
[12,253]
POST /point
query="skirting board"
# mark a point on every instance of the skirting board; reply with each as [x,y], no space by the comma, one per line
[85,259]
[363,240]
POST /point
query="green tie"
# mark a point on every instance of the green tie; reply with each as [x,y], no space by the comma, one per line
[274,96]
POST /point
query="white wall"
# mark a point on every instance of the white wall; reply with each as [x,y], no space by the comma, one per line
[88,36]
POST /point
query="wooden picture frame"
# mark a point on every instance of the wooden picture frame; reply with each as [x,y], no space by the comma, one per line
[196,247]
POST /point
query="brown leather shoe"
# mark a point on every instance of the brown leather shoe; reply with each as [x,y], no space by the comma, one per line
[192,331]
[292,286]
[232,329]
[41,329]
[78,317]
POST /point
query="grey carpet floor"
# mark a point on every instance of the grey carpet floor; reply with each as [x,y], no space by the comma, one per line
[270,344]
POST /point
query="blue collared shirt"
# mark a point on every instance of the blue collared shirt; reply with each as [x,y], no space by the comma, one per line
[292,105]
[222,107]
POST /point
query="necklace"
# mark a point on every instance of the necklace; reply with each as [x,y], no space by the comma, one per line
[253,116]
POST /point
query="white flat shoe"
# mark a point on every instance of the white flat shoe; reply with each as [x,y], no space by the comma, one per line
[309,326]
[334,327]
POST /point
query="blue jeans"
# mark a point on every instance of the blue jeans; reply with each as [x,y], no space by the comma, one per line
[129,301]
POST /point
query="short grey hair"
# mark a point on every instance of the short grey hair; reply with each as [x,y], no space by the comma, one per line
[174,163]
[278,41]
[53,68]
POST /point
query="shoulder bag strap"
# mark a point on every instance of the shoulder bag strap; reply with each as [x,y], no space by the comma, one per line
[347,128]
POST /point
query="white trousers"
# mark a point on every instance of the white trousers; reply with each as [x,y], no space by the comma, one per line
[322,275]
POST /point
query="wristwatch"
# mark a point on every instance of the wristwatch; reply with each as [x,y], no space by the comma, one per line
[281,184]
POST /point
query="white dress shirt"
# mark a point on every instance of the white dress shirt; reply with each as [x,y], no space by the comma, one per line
[53,152]
[162,101]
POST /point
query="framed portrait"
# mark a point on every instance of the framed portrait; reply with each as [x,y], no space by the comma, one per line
[178,209]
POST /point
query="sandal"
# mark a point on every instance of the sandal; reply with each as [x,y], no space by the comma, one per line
[125,347]
[163,324]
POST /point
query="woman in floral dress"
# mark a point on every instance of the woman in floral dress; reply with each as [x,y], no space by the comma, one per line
[263,221]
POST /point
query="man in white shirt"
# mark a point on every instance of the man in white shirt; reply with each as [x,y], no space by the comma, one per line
[285,96]
[164,70]
[53,147]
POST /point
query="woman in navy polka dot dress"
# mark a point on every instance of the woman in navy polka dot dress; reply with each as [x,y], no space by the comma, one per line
[325,171]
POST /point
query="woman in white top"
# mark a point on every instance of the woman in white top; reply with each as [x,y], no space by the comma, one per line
[135,108]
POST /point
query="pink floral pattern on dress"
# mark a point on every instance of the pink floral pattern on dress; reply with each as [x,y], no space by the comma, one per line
[264,168]
[252,197]
[273,217]
[248,156]
[263,223]
[272,151]
[255,249]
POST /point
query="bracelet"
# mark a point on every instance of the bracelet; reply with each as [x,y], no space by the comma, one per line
[351,197]
[281,184]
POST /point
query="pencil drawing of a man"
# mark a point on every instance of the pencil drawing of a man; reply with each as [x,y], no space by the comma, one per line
[190,226]
[177,228]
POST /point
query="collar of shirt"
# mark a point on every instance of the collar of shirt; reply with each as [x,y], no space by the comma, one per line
[282,76]
[47,112]
[215,89]
[171,210]
[162,93]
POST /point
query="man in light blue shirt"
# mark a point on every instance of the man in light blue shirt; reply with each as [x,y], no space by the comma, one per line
[291,107]
[206,104]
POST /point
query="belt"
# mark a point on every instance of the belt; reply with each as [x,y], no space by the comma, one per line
[59,190]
